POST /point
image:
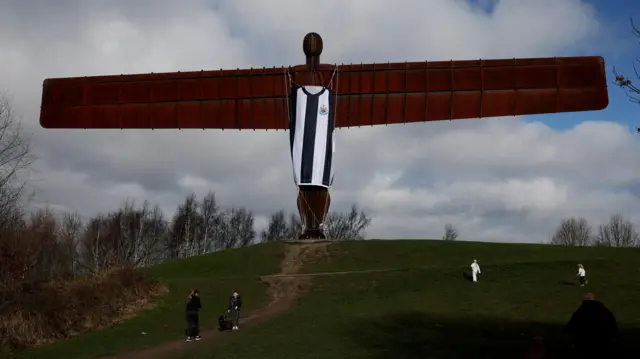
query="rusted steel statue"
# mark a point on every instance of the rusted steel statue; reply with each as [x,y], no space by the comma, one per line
[313,99]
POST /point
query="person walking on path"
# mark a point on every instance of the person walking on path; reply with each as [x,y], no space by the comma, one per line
[235,303]
[193,319]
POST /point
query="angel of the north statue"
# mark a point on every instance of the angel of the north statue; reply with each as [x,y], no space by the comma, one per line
[314,99]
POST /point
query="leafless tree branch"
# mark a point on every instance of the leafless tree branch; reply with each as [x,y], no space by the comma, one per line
[573,232]
[15,158]
[347,226]
[632,91]
[617,232]
[277,230]
[450,233]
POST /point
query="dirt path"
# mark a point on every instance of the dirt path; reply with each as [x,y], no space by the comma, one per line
[283,290]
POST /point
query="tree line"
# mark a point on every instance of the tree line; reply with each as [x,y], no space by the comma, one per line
[63,245]
[617,231]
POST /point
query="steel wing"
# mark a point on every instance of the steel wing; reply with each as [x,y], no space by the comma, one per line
[368,94]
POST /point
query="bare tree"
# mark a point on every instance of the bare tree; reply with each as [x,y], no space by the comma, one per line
[69,236]
[146,230]
[17,253]
[573,232]
[347,226]
[632,90]
[185,229]
[42,228]
[15,158]
[277,230]
[209,223]
[155,238]
[129,230]
[11,213]
[92,260]
[236,229]
[130,236]
[242,221]
[17,247]
[102,245]
[623,81]
[450,233]
[617,232]
[294,226]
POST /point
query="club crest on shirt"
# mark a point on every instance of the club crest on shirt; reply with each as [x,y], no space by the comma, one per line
[323,110]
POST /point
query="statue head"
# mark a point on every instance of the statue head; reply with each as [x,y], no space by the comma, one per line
[312,47]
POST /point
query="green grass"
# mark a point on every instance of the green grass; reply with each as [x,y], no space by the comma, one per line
[425,309]
[363,255]
[232,263]
[432,311]
[215,275]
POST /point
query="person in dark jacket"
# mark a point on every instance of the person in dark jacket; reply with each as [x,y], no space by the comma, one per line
[193,306]
[235,303]
[593,330]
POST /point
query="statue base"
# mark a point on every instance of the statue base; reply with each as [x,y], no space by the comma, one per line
[312,234]
[313,205]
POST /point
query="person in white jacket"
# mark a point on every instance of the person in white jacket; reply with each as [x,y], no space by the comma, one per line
[475,270]
[582,274]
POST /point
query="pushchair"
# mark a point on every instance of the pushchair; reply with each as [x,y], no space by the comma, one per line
[224,322]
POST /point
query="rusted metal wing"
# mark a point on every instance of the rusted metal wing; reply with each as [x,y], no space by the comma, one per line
[223,99]
[368,94]
[375,94]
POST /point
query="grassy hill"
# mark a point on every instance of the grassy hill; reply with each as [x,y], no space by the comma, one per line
[214,275]
[398,299]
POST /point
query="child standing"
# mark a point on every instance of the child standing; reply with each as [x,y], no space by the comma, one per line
[582,274]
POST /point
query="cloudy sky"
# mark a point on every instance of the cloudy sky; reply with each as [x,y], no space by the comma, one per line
[509,179]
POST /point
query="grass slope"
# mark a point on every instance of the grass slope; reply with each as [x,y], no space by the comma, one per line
[432,311]
[215,275]
[422,308]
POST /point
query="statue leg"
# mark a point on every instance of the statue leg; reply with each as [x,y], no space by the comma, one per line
[313,205]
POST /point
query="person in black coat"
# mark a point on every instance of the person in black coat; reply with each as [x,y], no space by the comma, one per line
[193,319]
[593,330]
[235,303]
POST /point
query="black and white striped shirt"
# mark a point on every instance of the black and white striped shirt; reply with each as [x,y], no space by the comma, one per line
[312,124]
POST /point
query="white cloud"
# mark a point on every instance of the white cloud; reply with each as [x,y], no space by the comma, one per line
[496,179]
